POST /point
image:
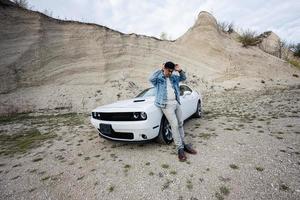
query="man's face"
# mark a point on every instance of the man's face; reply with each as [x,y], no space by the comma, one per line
[167,72]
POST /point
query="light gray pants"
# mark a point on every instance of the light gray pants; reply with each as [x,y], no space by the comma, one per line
[173,114]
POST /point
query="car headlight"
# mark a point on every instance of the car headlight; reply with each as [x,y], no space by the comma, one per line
[139,116]
[143,115]
[136,115]
[96,115]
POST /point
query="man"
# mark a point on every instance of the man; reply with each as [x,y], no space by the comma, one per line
[167,98]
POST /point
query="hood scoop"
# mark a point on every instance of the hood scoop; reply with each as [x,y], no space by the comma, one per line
[139,100]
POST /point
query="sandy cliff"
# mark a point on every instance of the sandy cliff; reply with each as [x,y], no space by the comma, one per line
[48,64]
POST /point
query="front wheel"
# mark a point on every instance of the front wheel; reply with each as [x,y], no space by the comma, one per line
[198,112]
[165,132]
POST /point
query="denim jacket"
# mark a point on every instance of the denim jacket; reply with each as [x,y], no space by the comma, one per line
[159,81]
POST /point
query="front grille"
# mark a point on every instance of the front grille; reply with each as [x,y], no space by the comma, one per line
[107,130]
[116,116]
[126,116]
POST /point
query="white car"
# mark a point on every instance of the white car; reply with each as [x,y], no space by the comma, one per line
[139,119]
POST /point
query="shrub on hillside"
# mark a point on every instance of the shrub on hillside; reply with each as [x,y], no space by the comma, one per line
[249,38]
[22,3]
[295,63]
[297,50]
[225,26]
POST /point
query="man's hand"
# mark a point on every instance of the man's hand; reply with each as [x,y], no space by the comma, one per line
[177,68]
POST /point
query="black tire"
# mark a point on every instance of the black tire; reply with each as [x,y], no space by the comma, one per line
[198,113]
[165,133]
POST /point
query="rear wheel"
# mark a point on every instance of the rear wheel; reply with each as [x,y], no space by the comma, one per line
[198,112]
[165,133]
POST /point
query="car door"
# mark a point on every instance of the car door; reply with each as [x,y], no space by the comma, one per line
[189,101]
[184,102]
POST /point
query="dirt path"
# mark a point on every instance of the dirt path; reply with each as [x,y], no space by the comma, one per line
[248,143]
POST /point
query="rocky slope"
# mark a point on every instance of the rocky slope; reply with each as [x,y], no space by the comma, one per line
[49,64]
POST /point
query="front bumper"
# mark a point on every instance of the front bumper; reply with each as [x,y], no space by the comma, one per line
[126,130]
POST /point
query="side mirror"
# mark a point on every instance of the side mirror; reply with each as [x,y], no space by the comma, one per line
[187,93]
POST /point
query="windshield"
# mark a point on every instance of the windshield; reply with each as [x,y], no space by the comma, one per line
[147,93]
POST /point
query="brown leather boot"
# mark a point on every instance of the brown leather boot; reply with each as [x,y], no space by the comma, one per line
[189,149]
[181,155]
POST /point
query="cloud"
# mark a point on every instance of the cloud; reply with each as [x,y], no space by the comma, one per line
[175,17]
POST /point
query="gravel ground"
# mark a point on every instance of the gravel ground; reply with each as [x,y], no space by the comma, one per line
[248,146]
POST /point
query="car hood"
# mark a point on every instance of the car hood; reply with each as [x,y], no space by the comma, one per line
[135,104]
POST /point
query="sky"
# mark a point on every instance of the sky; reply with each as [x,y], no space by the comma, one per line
[175,17]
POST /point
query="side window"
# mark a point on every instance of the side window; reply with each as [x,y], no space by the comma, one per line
[181,88]
[188,89]
[184,88]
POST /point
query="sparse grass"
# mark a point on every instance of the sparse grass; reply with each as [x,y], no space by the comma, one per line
[166,184]
[173,172]
[42,172]
[22,142]
[294,63]
[45,178]
[16,177]
[31,190]
[67,118]
[15,117]
[249,38]
[205,136]
[151,173]
[126,169]
[37,159]
[71,163]
[260,169]
[221,178]
[224,190]
[127,166]
[189,184]
[114,156]
[111,188]
[165,166]
[32,170]
[233,166]
[283,187]
[17,165]
[219,196]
